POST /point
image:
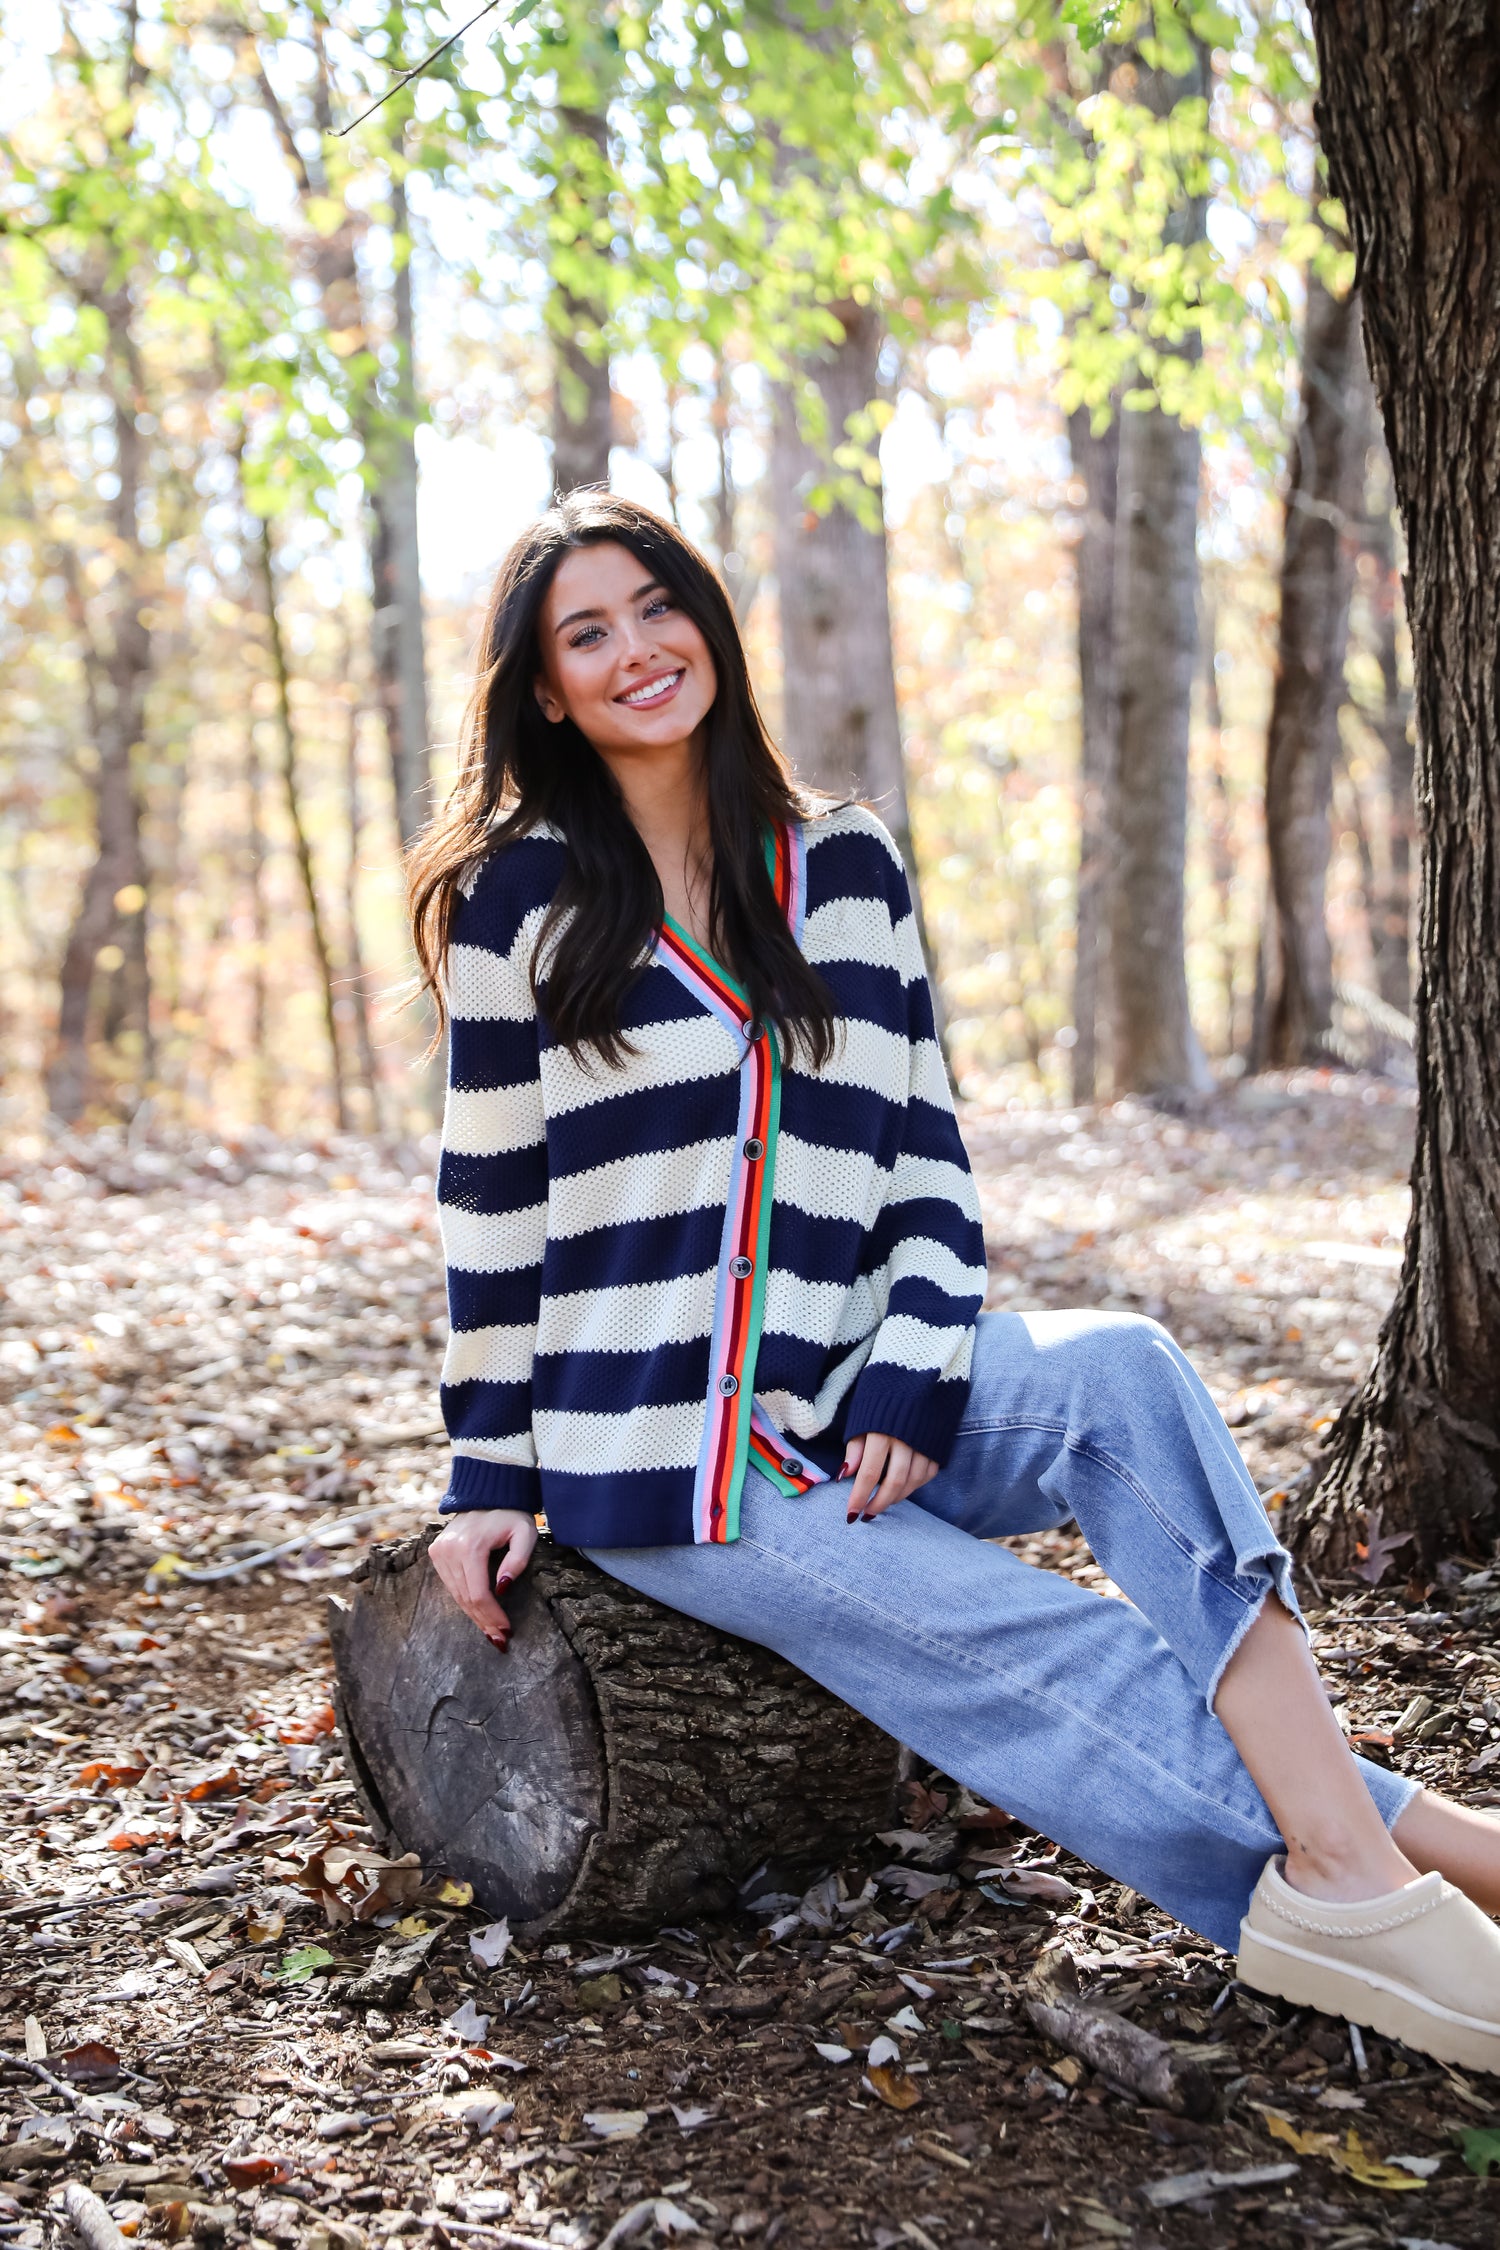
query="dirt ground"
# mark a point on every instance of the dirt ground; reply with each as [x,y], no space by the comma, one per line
[208,1350]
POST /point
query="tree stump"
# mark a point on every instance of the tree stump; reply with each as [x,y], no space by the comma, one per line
[619,1767]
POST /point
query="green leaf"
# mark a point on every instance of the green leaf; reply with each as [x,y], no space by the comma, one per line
[304,1962]
[1481,2148]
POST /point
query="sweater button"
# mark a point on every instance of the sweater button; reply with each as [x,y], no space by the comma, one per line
[728,1385]
[791,1468]
[753,1029]
[742,1268]
[754,1151]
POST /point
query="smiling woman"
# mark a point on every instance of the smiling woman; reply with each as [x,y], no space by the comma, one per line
[715,1273]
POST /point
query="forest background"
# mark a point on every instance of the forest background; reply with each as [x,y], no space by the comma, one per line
[868,299]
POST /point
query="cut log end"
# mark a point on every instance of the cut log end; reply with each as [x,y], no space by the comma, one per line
[620,1766]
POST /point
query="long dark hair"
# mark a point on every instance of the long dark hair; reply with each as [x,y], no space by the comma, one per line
[517,769]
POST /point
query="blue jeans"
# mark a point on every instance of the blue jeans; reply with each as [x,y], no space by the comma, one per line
[1090,1719]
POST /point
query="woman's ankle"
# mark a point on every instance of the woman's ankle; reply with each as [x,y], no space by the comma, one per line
[1348,1869]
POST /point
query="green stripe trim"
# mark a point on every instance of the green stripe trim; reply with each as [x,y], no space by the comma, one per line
[706,960]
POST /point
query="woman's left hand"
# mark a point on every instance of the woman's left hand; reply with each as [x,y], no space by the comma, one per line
[884,1471]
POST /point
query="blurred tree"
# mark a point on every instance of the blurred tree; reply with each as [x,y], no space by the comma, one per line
[582,401]
[1324,507]
[377,358]
[1156,1050]
[1096,463]
[1417,1449]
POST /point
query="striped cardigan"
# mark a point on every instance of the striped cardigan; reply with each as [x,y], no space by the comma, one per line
[707,1257]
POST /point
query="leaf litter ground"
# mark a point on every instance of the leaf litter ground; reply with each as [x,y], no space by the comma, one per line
[213,1350]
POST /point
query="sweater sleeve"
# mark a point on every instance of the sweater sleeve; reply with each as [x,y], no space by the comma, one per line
[492,1209]
[915,1384]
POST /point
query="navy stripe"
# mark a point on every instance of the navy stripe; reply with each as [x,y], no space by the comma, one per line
[641,1250]
[644,1123]
[493,1300]
[493,1184]
[584,1382]
[629,1508]
[486,1410]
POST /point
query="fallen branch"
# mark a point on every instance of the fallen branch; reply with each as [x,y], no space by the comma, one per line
[92,2224]
[213,1573]
[630,2223]
[1118,2049]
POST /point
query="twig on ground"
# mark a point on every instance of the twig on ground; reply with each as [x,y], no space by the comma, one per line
[89,2219]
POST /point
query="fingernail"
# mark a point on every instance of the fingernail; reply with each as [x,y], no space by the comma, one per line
[502,1579]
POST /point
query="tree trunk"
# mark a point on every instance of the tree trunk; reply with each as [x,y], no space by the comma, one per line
[260,929]
[104,976]
[359,998]
[1390,907]
[398,637]
[619,1767]
[582,407]
[1096,462]
[840,725]
[1323,506]
[287,737]
[1408,115]
[1156,637]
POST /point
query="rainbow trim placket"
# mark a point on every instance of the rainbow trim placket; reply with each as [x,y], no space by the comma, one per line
[740,1298]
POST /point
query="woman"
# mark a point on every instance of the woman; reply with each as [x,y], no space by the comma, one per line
[715,1274]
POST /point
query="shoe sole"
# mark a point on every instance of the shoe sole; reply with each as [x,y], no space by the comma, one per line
[1336,1988]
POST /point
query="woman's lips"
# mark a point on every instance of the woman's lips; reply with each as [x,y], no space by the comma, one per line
[650,693]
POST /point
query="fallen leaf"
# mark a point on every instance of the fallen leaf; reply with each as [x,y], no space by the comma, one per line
[615,2124]
[225,1784]
[302,1962]
[450,1893]
[264,1929]
[1378,1549]
[256,2171]
[92,2064]
[883,2050]
[490,1946]
[1350,2157]
[112,1776]
[905,2019]
[309,1729]
[1031,1882]
[889,2083]
[467,2022]
[690,2115]
[482,2113]
[598,1992]
[920,1804]
[1479,2146]
[672,2219]
[1422,2167]
[832,2054]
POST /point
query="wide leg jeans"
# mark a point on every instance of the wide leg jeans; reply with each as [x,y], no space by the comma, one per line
[1087,1717]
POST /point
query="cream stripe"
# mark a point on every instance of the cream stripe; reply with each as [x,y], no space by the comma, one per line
[666,1054]
[495,1122]
[904,1342]
[659,1184]
[647,1437]
[490,1355]
[492,1242]
[631,1317]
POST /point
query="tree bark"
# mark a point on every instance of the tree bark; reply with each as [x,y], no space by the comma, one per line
[582,405]
[1410,119]
[287,737]
[840,725]
[1156,635]
[359,998]
[398,636]
[104,975]
[1323,507]
[1096,463]
[1391,903]
[388,435]
[619,1767]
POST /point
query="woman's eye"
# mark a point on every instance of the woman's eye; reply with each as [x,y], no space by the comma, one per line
[658,605]
[586,637]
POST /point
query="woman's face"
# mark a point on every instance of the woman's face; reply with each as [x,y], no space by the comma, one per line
[619,659]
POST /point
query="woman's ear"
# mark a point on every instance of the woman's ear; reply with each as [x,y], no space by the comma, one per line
[551,708]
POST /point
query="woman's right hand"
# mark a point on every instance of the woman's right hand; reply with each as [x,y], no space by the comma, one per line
[461,1553]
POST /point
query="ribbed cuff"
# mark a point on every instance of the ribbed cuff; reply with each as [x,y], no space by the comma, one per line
[922,1412]
[474,1484]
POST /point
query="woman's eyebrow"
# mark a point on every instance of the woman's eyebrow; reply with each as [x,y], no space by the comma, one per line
[575,616]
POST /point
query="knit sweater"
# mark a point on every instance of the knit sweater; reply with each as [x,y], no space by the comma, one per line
[709,1256]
